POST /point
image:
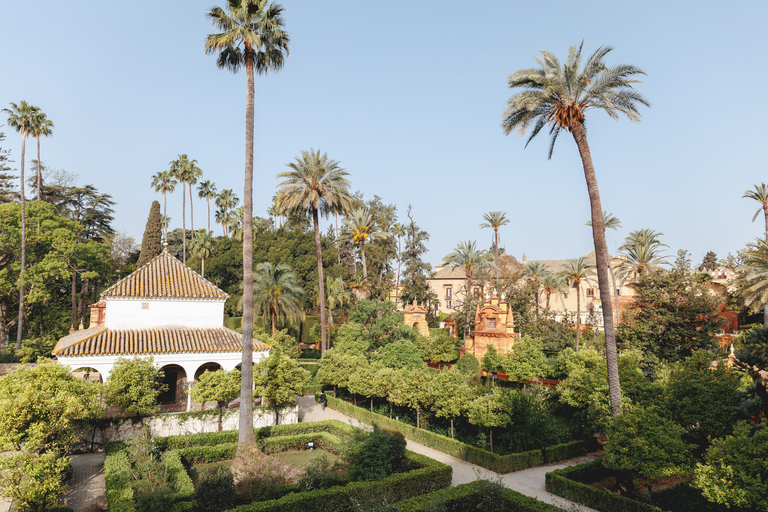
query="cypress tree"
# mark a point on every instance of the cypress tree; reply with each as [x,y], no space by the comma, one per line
[152,243]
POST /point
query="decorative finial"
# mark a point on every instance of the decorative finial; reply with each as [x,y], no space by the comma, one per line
[732,349]
[165,246]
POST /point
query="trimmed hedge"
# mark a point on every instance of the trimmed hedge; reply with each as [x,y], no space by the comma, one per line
[464,497]
[497,463]
[205,453]
[571,484]
[117,477]
[431,477]
[180,481]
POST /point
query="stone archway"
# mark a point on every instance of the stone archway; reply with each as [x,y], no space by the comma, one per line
[207,367]
[174,398]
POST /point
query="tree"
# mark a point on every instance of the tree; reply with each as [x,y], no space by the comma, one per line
[133,385]
[336,367]
[709,262]
[735,469]
[201,247]
[276,294]
[6,180]
[226,201]
[642,251]
[207,190]
[360,228]
[759,194]
[192,175]
[611,222]
[488,411]
[559,96]
[450,395]
[399,231]
[315,185]
[252,37]
[416,271]
[753,276]
[182,169]
[553,283]
[219,386]
[644,445]
[526,361]
[495,220]
[672,316]
[22,118]
[278,379]
[41,127]
[411,389]
[577,271]
[470,259]
[164,182]
[534,271]
[399,355]
[151,242]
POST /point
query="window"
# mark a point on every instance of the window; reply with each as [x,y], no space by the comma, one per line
[476,292]
[448,304]
[565,295]
[492,323]
[590,292]
[448,293]
[145,305]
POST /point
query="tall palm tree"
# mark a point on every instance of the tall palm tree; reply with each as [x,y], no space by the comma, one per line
[207,190]
[314,185]
[535,271]
[495,220]
[753,276]
[202,246]
[338,297]
[21,117]
[559,96]
[252,37]
[226,201]
[577,271]
[552,283]
[41,127]
[181,170]
[359,227]
[192,175]
[469,258]
[277,294]
[641,250]
[611,222]
[164,182]
[399,231]
[760,194]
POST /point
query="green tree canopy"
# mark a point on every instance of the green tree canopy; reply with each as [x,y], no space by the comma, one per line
[219,386]
[134,385]
[152,241]
[278,379]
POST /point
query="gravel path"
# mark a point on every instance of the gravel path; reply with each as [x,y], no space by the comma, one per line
[87,491]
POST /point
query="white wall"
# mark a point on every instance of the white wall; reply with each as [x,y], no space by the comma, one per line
[138,314]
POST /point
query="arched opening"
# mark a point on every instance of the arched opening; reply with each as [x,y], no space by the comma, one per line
[207,367]
[87,373]
[175,395]
[415,326]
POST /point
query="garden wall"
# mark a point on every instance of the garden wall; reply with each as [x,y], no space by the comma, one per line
[178,424]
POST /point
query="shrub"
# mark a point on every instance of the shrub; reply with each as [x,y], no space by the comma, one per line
[375,455]
[319,474]
[215,490]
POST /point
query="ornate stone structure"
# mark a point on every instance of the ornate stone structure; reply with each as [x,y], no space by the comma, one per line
[494,326]
[416,316]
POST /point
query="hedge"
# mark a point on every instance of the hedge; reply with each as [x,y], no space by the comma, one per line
[117,478]
[571,483]
[206,453]
[497,463]
[465,497]
[430,477]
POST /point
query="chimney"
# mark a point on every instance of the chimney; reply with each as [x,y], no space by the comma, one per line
[98,313]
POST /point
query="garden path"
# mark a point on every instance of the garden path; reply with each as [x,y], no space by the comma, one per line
[528,481]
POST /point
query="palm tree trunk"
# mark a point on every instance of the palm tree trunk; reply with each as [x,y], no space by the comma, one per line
[469,302]
[19,326]
[362,258]
[202,268]
[184,221]
[274,321]
[549,295]
[208,203]
[165,216]
[191,210]
[601,259]
[246,436]
[496,252]
[39,177]
[615,290]
[320,281]
[578,315]
[399,260]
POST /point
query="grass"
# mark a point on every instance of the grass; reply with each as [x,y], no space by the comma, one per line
[300,458]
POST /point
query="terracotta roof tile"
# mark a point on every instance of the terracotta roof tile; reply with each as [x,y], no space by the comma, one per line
[164,277]
[163,340]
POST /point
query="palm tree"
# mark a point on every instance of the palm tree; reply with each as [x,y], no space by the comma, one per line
[495,220]
[315,185]
[207,190]
[559,96]
[21,117]
[359,228]
[181,169]
[576,272]
[535,271]
[753,276]
[226,201]
[192,175]
[202,246]
[41,127]
[338,297]
[399,231]
[552,283]
[164,181]
[760,194]
[277,294]
[252,37]
[641,250]
[611,222]
[469,258]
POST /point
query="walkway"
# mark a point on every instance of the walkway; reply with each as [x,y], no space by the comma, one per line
[528,481]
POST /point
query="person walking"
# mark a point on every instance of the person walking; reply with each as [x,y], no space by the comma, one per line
[323,399]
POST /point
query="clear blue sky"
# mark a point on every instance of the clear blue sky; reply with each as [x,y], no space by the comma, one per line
[408,97]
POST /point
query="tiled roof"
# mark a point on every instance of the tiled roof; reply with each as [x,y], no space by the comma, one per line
[162,340]
[449,272]
[164,277]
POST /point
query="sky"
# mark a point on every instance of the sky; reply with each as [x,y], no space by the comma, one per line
[408,97]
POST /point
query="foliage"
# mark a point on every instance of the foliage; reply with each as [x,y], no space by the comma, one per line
[36,348]
[336,367]
[151,243]
[532,423]
[318,474]
[279,339]
[413,280]
[399,355]
[277,295]
[673,316]
[219,386]
[375,455]
[35,480]
[526,361]
[41,408]
[152,491]
[735,469]
[133,385]
[352,338]
[752,360]
[469,366]
[278,379]
[215,490]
